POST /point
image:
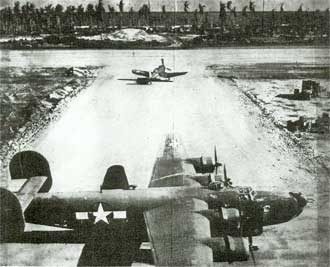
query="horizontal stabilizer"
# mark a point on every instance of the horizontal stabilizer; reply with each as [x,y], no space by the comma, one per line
[29,189]
[115,178]
[160,80]
[132,80]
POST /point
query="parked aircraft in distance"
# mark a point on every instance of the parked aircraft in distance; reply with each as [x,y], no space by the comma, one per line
[190,215]
[159,74]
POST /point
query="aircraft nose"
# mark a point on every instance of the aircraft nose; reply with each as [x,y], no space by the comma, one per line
[302,202]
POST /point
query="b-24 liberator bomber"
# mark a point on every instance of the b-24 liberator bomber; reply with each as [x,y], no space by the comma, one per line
[191,214]
[159,74]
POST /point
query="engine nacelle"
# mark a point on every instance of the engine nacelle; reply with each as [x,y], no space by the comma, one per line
[203,179]
[234,222]
[11,217]
[228,249]
[202,164]
[223,222]
[251,218]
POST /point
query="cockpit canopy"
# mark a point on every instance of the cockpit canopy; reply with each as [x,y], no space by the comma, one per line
[246,193]
[216,186]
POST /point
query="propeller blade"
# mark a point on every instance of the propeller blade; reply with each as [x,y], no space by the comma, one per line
[225,173]
[215,155]
[216,160]
[252,256]
[252,248]
[227,180]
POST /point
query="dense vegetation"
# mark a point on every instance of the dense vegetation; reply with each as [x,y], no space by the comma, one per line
[27,19]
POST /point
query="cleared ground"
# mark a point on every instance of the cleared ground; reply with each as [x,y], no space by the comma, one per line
[116,123]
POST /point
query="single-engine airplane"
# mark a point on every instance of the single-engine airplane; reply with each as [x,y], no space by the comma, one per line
[159,74]
[190,215]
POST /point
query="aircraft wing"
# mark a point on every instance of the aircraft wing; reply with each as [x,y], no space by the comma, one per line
[29,189]
[174,74]
[141,73]
[176,232]
[145,80]
[160,80]
[133,80]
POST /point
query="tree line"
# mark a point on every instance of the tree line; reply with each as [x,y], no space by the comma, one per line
[28,19]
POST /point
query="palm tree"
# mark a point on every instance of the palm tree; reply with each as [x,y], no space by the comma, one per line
[252,6]
[252,17]
[58,15]
[300,26]
[281,13]
[100,11]
[144,12]
[201,8]
[8,20]
[41,20]
[70,17]
[186,10]
[32,11]
[121,10]
[163,16]
[186,6]
[121,6]
[131,16]
[201,12]
[244,12]
[111,14]
[246,24]
[222,16]
[49,10]
[90,14]
[17,17]
[38,21]
[195,23]
[80,14]
[273,22]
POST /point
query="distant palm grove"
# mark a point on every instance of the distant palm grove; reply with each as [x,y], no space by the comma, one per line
[26,19]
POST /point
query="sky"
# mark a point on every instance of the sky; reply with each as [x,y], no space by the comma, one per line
[211,5]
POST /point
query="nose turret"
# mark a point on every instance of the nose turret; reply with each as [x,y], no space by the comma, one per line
[301,202]
[278,208]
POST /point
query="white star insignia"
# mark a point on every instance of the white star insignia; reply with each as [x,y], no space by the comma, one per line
[101,215]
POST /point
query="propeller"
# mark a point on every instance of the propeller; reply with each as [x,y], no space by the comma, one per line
[216,163]
[246,223]
[252,249]
[227,181]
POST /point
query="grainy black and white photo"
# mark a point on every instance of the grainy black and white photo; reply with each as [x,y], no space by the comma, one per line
[165,133]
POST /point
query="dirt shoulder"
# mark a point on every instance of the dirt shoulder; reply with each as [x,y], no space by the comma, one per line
[33,97]
[312,151]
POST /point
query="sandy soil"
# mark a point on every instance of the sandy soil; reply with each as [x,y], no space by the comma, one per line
[127,35]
